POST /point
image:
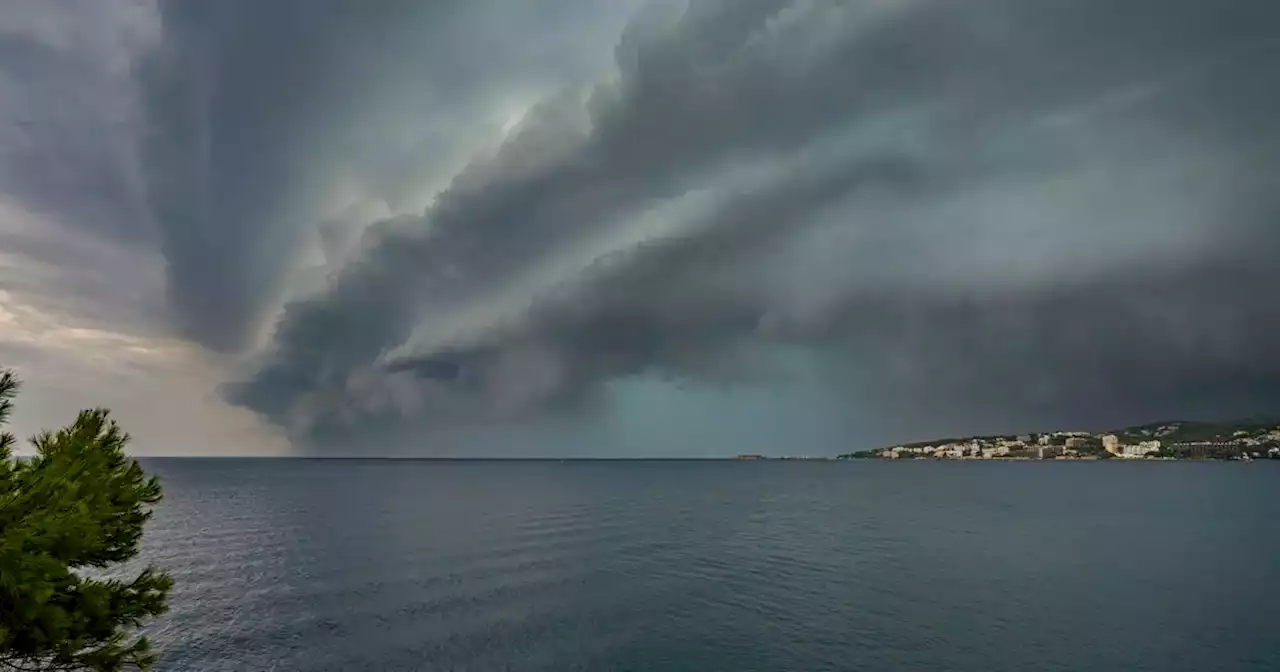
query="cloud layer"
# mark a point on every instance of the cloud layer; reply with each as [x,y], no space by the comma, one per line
[268,118]
[999,208]
[429,220]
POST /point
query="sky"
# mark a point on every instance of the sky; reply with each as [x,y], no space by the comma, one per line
[638,228]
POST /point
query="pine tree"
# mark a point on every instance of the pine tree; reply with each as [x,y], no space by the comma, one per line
[74,510]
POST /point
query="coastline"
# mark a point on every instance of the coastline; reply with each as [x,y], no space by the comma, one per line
[1173,441]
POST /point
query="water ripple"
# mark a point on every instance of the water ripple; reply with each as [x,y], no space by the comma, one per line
[713,566]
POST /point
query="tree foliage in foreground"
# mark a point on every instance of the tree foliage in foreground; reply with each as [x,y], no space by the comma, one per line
[74,510]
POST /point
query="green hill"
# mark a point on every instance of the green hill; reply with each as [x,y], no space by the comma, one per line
[1178,438]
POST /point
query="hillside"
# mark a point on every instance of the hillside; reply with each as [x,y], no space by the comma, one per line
[1175,439]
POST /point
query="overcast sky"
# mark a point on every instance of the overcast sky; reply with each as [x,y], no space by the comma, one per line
[634,228]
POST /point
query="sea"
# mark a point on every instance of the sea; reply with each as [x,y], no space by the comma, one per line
[383,565]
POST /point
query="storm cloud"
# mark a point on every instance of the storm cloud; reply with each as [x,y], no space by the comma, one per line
[466,227]
[266,119]
[1059,211]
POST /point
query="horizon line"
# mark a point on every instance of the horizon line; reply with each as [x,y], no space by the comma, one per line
[819,458]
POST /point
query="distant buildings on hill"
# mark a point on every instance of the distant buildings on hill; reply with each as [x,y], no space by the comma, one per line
[1167,441]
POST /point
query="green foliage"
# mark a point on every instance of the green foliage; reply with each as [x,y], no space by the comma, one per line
[1090,446]
[77,508]
[1182,431]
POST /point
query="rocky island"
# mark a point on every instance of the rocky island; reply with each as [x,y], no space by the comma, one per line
[1177,440]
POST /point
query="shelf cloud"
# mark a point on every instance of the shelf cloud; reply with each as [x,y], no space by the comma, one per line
[410,220]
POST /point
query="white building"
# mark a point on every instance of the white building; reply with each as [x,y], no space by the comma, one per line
[1141,449]
[1111,443]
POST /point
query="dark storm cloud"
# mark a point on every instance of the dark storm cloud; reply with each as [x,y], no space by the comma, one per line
[1044,209]
[68,118]
[72,202]
[260,110]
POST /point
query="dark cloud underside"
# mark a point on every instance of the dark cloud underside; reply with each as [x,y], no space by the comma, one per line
[260,110]
[975,212]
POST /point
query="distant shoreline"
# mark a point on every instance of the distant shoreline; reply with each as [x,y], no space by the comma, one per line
[1165,441]
[1158,442]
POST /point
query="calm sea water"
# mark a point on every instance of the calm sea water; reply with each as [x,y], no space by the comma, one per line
[421,565]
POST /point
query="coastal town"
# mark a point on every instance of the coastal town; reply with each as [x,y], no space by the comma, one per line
[1161,441]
